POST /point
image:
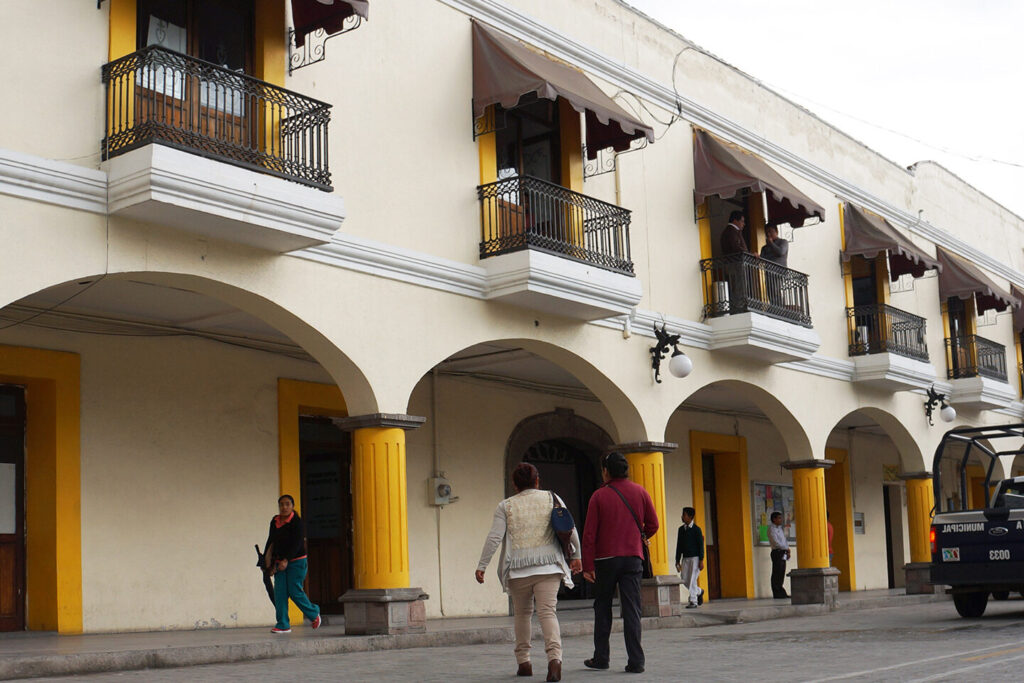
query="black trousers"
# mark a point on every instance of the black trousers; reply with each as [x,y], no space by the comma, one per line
[778,574]
[624,572]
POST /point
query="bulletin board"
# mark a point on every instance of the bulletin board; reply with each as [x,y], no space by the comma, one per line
[766,499]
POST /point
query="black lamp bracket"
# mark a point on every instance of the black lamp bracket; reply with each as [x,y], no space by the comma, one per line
[666,342]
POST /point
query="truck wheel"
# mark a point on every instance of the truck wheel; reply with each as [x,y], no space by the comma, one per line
[1001,595]
[970,605]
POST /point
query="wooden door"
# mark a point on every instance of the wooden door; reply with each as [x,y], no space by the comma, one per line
[711,563]
[325,461]
[12,508]
[190,109]
[566,468]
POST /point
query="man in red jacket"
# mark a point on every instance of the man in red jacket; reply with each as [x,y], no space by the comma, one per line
[613,556]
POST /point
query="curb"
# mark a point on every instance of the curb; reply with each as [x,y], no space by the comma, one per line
[33,666]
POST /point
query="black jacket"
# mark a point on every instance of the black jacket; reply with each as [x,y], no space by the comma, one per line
[690,542]
[289,540]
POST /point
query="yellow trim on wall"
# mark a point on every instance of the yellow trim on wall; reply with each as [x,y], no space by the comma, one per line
[732,490]
[53,503]
[756,217]
[920,501]
[295,398]
[976,497]
[123,25]
[882,278]
[270,53]
[570,146]
[839,497]
[704,228]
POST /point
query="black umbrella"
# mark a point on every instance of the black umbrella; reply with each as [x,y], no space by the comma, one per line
[266,575]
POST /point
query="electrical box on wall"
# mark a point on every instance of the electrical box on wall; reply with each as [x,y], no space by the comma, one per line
[439,491]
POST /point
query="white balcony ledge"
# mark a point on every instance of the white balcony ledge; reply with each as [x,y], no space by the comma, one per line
[762,337]
[981,393]
[552,284]
[165,186]
[893,372]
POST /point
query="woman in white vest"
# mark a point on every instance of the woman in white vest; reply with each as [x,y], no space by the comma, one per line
[532,564]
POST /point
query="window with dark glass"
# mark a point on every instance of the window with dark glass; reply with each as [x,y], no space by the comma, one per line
[216,31]
[528,144]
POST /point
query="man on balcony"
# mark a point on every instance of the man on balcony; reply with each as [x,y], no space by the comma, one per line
[733,241]
[775,249]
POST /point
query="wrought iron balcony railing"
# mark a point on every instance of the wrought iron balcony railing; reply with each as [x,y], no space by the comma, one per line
[528,213]
[971,355]
[880,328]
[159,96]
[745,283]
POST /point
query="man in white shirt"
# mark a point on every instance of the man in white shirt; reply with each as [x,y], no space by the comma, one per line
[780,553]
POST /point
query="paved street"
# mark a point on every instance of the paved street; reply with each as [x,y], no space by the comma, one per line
[918,643]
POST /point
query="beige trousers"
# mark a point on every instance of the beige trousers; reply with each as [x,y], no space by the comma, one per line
[544,589]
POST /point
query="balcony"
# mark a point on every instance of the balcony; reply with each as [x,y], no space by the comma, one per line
[757,308]
[889,348]
[977,373]
[548,248]
[202,148]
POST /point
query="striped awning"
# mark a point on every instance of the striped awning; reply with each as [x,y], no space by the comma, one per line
[722,169]
[505,69]
[869,235]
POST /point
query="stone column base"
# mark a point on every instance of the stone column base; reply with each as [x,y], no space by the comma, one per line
[919,578]
[385,611]
[814,586]
[659,596]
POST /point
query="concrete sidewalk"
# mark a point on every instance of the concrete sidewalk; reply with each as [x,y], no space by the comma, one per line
[26,655]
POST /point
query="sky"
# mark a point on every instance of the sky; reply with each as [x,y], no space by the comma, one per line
[940,80]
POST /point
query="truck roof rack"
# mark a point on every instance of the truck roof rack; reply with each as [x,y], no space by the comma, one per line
[974,441]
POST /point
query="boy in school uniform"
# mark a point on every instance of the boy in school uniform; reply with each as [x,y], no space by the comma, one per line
[690,556]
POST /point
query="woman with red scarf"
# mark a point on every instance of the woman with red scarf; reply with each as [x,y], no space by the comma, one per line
[286,561]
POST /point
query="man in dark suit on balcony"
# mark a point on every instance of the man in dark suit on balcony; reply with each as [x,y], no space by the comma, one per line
[733,241]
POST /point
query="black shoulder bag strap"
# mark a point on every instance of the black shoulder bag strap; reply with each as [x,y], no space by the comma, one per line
[648,571]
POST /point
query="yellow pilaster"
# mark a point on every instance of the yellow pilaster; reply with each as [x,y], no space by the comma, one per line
[810,512]
[920,500]
[647,468]
[380,516]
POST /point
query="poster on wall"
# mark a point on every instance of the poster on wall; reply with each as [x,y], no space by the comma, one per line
[769,498]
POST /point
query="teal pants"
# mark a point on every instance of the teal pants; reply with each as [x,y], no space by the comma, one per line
[288,584]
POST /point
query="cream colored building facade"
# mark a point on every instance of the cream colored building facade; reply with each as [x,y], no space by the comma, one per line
[185,332]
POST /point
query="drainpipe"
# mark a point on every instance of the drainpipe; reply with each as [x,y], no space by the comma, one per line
[436,458]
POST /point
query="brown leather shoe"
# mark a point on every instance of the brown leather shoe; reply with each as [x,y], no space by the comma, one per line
[525,669]
[555,670]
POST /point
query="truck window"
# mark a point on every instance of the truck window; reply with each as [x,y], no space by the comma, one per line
[1011,496]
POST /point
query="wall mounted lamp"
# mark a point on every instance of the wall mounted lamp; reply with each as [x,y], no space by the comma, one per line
[947,413]
[679,365]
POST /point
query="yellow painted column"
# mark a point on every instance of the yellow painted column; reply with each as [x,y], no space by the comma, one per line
[810,512]
[647,468]
[839,495]
[920,501]
[380,545]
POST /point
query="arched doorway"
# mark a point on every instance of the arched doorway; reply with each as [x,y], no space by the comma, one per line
[566,449]
[175,391]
